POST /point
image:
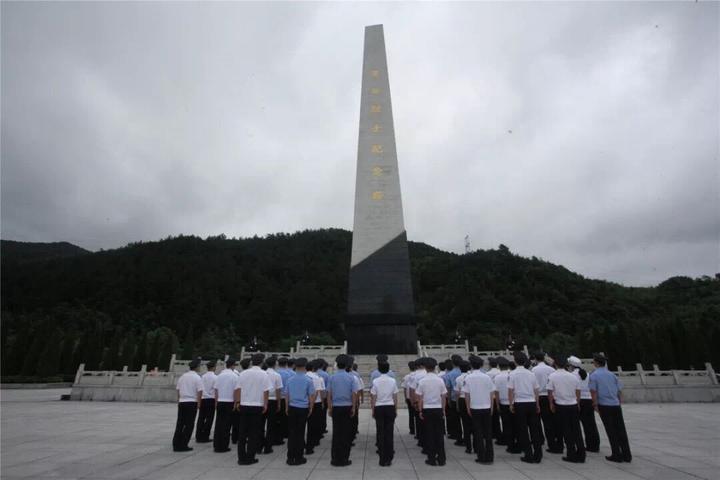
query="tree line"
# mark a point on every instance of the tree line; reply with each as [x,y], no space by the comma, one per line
[139,304]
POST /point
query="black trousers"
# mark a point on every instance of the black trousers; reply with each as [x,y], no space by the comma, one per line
[411,416]
[496,429]
[282,421]
[341,435]
[184,425]
[314,427]
[614,423]
[587,419]
[384,425]
[527,420]
[297,419]
[356,422]
[553,434]
[324,415]
[482,426]
[467,426]
[508,427]
[250,421]
[270,425]
[434,443]
[223,423]
[569,419]
[206,415]
[454,429]
[234,425]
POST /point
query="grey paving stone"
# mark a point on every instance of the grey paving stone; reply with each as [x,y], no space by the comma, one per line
[44,438]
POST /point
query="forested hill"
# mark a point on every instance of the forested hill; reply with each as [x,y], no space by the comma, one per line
[139,303]
[24,251]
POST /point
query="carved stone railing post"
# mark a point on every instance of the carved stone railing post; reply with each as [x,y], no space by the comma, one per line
[641,373]
[141,377]
[676,377]
[81,369]
[711,373]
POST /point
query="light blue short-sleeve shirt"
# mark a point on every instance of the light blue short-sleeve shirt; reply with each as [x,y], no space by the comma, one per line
[299,389]
[341,385]
[607,386]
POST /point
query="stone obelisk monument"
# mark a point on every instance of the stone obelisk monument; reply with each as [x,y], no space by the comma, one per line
[381,314]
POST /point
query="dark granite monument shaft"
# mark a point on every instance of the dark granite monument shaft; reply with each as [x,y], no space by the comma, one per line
[381,314]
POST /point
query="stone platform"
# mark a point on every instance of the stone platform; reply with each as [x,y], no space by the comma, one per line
[45,438]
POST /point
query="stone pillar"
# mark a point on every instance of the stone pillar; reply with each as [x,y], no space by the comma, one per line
[381,312]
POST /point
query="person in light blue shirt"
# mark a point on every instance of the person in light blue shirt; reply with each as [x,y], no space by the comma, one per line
[381,358]
[342,391]
[285,373]
[606,389]
[300,399]
[454,429]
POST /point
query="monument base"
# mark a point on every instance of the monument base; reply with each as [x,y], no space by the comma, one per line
[388,334]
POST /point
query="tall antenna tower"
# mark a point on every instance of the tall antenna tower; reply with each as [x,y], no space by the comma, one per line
[467,243]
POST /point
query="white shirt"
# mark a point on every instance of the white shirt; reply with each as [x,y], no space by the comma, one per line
[431,388]
[492,372]
[384,388]
[563,385]
[415,378]
[406,384]
[584,387]
[542,371]
[442,373]
[501,385]
[189,385]
[224,385]
[459,381]
[319,385]
[275,383]
[208,379]
[253,383]
[524,383]
[480,387]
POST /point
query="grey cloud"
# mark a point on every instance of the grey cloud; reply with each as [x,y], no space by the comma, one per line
[583,133]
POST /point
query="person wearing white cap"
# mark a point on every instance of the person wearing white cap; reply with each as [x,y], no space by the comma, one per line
[587,412]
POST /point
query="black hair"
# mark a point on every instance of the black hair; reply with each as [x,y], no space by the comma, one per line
[493,362]
[511,365]
[383,367]
[271,361]
[341,363]
[456,359]
[600,359]
[411,365]
[582,372]
[521,359]
[430,363]
[476,363]
[540,356]
[464,366]
[245,363]
[282,361]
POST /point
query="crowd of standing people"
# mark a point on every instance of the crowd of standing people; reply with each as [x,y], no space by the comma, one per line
[524,406]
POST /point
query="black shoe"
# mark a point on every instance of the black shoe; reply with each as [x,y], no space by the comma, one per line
[223,450]
[483,462]
[441,463]
[248,462]
[500,442]
[291,462]
[514,451]
[596,450]
[613,459]
[423,451]
[302,461]
[352,444]
[555,451]
[203,441]
[571,460]
[468,451]
[182,449]
[627,459]
[267,451]
[527,460]
[309,451]
[279,442]
[432,463]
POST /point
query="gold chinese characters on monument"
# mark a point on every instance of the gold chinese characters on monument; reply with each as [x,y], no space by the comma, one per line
[375,108]
[377,149]
[377,171]
[375,73]
[375,128]
[378,195]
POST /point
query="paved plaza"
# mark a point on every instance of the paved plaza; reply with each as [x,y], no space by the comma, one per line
[46,438]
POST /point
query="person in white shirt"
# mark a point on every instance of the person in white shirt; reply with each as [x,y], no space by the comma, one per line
[479,395]
[224,388]
[564,395]
[552,433]
[189,393]
[508,439]
[271,425]
[314,423]
[587,412]
[251,402]
[431,395]
[206,414]
[413,381]
[523,390]
[383,402]
[467,430]
[405,385]
[496,430]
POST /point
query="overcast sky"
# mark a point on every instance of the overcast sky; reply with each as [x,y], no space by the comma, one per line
[582,133]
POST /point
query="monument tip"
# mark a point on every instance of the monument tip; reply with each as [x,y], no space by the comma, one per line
[378,26]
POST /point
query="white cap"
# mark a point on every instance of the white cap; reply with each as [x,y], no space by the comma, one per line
[574,361]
